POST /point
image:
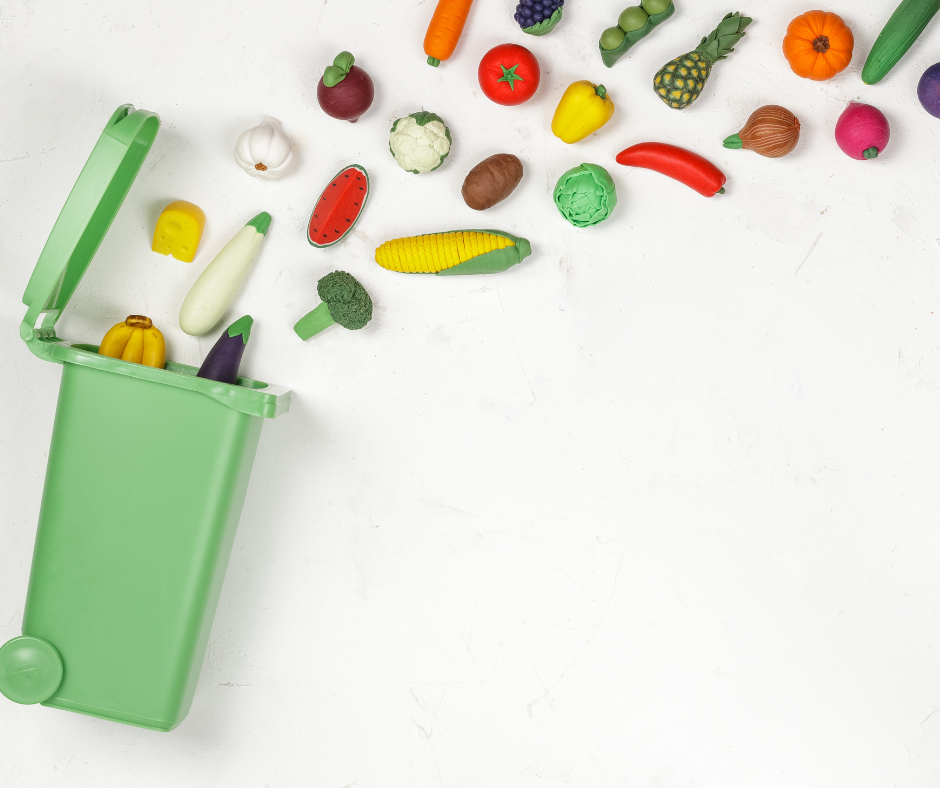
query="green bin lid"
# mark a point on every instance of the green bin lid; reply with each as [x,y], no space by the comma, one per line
[86,217]
[91,207]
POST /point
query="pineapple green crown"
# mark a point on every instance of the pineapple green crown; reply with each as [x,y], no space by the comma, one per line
[718,44]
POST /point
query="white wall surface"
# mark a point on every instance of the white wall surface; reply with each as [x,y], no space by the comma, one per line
[656,508]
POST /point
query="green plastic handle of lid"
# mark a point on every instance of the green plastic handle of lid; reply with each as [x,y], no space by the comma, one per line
[86,216]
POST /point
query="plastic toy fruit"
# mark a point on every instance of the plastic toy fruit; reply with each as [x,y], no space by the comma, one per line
[612,38]
[458,252]
[345,91]
[583,109]
[420,142]
[492,181]
[681,80]
[862,131]
[899,34]
[447,24]
[694,171]
[138,340]
[585,195]
[818,45]
[179,230]
[225,357]
[509,74]
[345,301]
[217,285]
[264,151]
[635,24]
[539,17]
[632,18]
[771,131]
[928,90]
[338,207]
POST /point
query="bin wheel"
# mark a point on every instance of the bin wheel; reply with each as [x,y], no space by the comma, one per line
[30,669]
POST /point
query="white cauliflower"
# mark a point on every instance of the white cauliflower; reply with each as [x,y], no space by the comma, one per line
[420,142]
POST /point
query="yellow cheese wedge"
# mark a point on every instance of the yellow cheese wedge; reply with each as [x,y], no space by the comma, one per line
[179,230]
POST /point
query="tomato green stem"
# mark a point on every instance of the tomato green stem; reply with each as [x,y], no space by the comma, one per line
[510,76]
[870,153]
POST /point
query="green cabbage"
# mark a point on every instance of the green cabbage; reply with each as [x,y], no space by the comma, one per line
[585,195]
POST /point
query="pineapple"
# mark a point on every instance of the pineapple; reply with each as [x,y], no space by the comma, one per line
[681,81]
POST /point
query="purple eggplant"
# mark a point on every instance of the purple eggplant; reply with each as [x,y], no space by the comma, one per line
[226,355]
[928,90]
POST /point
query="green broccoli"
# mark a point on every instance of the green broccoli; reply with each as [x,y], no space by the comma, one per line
[345,301]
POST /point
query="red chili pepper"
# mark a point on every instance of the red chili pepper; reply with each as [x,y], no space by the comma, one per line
[689,168]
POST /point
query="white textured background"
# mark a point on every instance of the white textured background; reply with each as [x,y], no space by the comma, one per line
[656,508]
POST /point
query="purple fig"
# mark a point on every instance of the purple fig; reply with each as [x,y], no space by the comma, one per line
[225,357]
[345,91]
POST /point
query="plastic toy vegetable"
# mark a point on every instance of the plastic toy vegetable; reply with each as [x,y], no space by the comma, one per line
[492,181]
[345,91]
[583,109]
[509,74]
[264,151]
[217,285]
[138,340]
[682,80]
[444,31]
[928,90]
[179,230]
[862,131]
[538,17]
[771,131]
[338,207]
[634,24]
[420,142]
[585,195]
[345,301]
[225,357]
[694,171]
[457,252]
[898,35]
[818,45]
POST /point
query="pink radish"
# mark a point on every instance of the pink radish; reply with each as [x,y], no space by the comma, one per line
[862,131]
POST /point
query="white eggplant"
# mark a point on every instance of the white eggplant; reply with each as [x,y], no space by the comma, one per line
[215,289]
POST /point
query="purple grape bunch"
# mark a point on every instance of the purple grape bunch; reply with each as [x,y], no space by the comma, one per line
[532,12]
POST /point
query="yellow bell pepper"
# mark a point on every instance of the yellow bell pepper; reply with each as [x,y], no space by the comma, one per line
[583,109]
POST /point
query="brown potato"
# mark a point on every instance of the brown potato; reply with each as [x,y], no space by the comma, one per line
[492,181]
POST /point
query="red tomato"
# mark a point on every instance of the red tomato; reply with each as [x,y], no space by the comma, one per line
[509,74]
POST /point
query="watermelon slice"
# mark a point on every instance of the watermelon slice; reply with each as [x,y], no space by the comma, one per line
[338,207]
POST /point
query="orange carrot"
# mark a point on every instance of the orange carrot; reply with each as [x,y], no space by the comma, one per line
[444,31]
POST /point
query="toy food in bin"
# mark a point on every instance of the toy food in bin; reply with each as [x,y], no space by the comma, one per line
[126,577]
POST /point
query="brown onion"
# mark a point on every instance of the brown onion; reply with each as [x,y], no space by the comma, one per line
[771,131]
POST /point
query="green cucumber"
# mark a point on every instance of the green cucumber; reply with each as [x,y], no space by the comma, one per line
[899,34]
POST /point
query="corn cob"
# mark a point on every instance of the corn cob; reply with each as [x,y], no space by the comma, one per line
[457,252]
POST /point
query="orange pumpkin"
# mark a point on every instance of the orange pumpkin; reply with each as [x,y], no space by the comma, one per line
[818,45]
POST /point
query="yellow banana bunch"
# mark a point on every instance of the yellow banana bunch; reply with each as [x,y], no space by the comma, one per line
[137,340]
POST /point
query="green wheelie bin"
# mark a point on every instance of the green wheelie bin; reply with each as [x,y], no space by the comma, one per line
[147,474]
